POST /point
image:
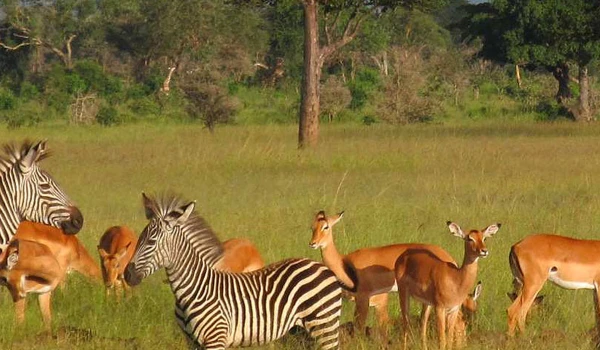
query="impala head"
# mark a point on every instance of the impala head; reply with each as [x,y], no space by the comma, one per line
[470,304]
[113,264]
[321,229]
[37,196]
[152,251]
[474,240]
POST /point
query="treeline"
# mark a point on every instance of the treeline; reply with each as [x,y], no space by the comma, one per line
[215,61]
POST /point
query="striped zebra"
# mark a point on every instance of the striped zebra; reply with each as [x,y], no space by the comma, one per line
[29,193]
[219,309]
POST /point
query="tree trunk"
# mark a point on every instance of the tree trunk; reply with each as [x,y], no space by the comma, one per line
[561,73]
[518,75]
[309,106]
[584,95]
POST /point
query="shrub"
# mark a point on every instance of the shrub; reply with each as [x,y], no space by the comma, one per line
[366,82]
[335,97]
[107,116]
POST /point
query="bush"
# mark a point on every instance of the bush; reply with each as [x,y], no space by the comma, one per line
[107,116]
[367,81]
[8,101]
[335,97]
[208,101]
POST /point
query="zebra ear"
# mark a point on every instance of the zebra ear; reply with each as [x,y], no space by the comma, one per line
[33,154]
[187,211]
[148,206]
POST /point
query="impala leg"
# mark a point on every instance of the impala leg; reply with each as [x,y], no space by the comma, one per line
[425,313]
[361,311]
[452,320]
[460,330]
[45,307]
[517,312]
[597,309]
[440,315]
[404,308]
[381,309]
[20,304]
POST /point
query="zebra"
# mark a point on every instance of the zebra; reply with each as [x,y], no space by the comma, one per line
[29,193]
[220,309]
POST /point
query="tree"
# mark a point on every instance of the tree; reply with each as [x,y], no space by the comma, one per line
[551,34]
[43,25]
[341,21]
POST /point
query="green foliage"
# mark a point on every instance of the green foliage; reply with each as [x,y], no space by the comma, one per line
[7,100]
[367,81]
[96,80]
[107,116]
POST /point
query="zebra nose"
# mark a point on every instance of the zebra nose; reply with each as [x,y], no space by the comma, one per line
[131,277]
[75,223]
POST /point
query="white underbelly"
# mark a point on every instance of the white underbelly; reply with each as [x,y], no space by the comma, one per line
[554,278]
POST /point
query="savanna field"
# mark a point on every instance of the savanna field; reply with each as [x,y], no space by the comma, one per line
[395,184]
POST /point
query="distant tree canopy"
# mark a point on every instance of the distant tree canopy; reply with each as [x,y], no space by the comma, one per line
[395,61]
[542,33]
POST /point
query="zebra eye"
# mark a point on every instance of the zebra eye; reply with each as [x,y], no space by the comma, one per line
[45,186]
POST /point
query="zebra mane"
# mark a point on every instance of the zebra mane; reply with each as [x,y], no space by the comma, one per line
[195,230]
[14,153]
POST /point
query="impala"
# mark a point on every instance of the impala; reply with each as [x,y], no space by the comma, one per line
[116,248]
[239,255]
[432,280]
[567,262]
[367,272]
[67,249]
[30,267]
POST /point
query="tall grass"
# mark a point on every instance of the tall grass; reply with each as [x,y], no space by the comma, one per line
[400,184]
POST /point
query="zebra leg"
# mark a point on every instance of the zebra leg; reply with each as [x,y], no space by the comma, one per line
[323,326]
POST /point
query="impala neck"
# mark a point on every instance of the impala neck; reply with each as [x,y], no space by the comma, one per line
[468,270]
[335,262]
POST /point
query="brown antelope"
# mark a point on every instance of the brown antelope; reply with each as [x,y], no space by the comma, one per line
[67,249]
[30,267]
[239,255]
[431,280]
[367,272]
[567,262]
[116,248]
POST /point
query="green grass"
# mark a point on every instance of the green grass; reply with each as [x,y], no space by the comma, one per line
[396,184]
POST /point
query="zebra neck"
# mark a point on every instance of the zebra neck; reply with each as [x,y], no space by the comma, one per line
[9,215]
[187,273]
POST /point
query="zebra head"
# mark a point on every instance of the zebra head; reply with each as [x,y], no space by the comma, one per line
[153,249]
[35,196]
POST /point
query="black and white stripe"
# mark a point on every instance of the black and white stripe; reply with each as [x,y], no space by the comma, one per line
[218,310]
[29,193]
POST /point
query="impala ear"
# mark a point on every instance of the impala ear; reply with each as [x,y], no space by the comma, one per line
[320,215]
[148,206]
[477,291]
[491,230]
[335,219]
[455,229]
[121,253]
[102,252]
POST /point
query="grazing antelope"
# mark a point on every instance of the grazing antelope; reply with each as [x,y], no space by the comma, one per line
[567,262]
[431,280]
[239,255]
[67,249]
[116,248]
[367,272]
[30,267]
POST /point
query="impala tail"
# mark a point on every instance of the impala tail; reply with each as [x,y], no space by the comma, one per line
[517,273]
[350,271]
